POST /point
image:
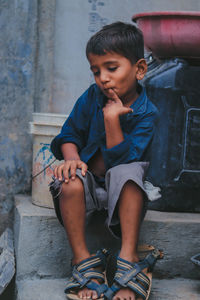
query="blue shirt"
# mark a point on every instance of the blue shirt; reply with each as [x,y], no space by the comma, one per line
[85,128]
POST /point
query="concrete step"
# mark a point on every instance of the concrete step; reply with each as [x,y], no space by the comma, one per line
[166,289]
[42,249]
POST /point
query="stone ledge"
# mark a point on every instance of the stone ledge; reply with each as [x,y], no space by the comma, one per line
[7,259]
[42,249]
[49,289]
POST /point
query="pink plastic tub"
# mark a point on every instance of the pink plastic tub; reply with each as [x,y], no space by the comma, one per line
[171,34]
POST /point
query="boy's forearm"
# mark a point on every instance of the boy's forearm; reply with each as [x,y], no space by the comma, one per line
[70,151]
[114,134]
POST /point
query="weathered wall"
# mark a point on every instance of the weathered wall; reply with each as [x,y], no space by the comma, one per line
[44,69]
[75,22]
[17,52]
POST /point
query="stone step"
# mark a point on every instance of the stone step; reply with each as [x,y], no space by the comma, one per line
[42,249]
[165,289]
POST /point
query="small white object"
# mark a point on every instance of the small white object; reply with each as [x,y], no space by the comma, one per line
[43,128]
[152,191]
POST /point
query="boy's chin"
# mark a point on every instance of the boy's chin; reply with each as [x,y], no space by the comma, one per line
[106,93]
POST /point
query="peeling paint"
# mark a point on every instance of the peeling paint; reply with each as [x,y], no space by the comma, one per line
[13,136]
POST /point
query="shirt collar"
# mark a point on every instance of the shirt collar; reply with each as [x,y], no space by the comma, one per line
[139,106]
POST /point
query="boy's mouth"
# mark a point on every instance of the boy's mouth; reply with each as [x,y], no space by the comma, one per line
[107,90]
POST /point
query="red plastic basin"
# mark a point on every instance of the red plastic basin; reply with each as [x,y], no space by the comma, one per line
[171,34]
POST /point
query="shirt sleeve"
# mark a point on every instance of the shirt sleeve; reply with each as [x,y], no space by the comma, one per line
[134,144]
[75,127]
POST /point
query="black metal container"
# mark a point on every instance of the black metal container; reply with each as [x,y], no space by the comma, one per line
[174,87]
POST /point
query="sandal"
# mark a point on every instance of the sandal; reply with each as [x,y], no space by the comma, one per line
[130,275]
[84,272]
[196,259]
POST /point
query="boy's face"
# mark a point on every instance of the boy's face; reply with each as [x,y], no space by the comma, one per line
[114,71]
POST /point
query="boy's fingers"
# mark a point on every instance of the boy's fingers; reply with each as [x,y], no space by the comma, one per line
[110,101]
[81,165]
[130,110]
[59,172]
[127,110]
[73,168]
[66,172]
[55,172]
[114,95]
[83,169]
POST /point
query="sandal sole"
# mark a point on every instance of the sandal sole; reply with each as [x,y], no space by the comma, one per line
[149,275]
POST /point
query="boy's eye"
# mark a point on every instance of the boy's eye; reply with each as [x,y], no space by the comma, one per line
[112,69]
[96,73]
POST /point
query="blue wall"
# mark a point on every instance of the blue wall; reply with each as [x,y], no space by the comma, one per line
[18,20]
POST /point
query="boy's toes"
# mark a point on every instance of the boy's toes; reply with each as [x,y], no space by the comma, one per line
[94,295]
[91,295]
[82,294]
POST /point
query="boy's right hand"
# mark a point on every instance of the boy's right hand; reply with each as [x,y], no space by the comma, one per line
[69,168]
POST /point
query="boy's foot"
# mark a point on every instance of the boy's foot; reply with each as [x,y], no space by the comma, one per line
[88,280]
[133,280]
[126,293]
[86,293]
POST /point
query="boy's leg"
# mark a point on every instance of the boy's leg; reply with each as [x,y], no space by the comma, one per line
[72,207]
[130,210]
[73,212]
[126,206]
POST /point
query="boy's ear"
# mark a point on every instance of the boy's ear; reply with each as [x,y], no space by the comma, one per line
[141,68]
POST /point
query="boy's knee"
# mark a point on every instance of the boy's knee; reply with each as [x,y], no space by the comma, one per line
[133,187]
[73,187]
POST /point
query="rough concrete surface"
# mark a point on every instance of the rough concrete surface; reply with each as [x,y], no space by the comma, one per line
[40,243]
[176,289]
[42,249]
[177,234]
[7,259]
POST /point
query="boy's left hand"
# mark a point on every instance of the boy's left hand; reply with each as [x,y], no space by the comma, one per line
[114,106]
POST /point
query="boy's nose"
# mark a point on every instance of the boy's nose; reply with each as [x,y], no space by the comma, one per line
[104,77]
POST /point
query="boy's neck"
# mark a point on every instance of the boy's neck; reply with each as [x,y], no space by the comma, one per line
[129,99]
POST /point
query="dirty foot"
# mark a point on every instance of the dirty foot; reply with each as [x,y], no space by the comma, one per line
[86,293]
[125,294]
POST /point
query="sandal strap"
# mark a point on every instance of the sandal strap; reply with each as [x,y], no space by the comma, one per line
[133,284]
[94,274]
[140,276]
[112,291]
[98,288]
[130,275]
[127,271]
[138,289]
[93,261]
[83,273]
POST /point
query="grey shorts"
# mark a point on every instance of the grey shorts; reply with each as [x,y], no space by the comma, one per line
[103,193]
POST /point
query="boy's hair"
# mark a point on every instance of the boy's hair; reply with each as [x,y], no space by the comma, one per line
[122,38]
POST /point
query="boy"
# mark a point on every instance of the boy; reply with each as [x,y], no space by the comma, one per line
[103,144]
